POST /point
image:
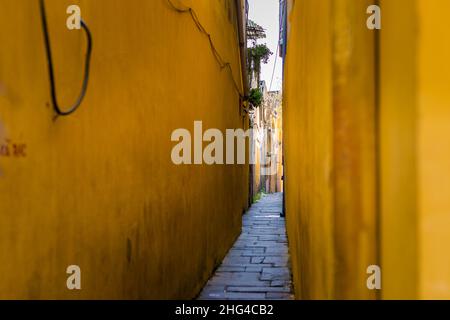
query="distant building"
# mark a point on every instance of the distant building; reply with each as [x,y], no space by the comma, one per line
[267,142]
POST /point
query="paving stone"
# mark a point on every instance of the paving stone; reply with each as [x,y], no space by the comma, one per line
[281,273]
[236,252]
[212,292]
[213,288]
[237,279]
[249,246]
[257,259]
[278,211]
[277,261]
[277,251]
[231,269]
[239,282]
[213,296]
[259,231]
[249,252]
[260,289]
[281,283]
[248,265]
[245,296]
[237,275]
[270,237]
[257,268]
[247,238]
[235,260]
[264,244]
[271,254]
[279,296]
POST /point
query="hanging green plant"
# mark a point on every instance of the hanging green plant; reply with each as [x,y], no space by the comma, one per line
[255,97]
[257,54]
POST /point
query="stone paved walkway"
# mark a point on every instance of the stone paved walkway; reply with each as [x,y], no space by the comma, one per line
[257,267]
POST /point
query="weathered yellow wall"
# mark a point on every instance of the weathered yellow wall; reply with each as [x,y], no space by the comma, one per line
[354,131]
[433,98]
[398,158]
[308,122]
[98,188]
[367,140]
[415,127]
[329,116]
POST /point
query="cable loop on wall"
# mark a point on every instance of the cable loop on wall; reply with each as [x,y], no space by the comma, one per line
[58,109]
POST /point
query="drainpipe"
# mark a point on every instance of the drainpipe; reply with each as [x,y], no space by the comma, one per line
[242,26]
[241,7]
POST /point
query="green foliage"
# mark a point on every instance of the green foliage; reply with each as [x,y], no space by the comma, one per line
[257,54]
[255,97]
[258,196]
[260,52]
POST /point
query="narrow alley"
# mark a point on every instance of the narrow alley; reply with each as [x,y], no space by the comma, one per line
[257,266]
[149,150]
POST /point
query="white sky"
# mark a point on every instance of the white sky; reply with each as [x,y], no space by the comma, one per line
[266,14]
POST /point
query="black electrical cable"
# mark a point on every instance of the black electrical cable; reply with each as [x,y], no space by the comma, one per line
[223,64]
[63,111]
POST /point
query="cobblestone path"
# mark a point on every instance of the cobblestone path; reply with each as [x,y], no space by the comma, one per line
[257,266]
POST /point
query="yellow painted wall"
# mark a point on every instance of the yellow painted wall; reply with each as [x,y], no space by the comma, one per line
[434,149]
[367,140]
[308,122]
[398,152]
[98,188]
[415,127]
[354,131]
[329,127]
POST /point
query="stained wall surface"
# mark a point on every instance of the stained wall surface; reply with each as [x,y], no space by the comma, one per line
[415,157]
[98,188]
[329,128]
[308,148]
[367,132]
